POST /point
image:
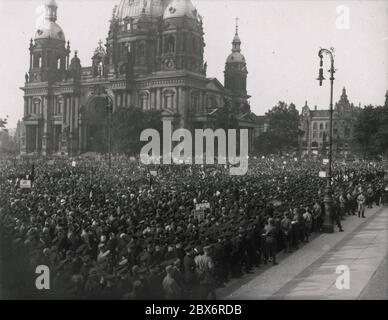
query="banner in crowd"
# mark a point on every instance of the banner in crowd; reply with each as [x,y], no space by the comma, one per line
[199,213]
[25,184]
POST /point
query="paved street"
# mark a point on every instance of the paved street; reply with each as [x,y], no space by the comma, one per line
[310,273]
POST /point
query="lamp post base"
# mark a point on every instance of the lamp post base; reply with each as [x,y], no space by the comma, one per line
[328,225]
[327,228]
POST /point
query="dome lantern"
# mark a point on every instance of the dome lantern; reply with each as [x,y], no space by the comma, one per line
[49,29]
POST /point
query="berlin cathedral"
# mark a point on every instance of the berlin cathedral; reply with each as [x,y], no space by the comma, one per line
[152,59]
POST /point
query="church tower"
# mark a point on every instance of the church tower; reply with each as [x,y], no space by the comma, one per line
[181,44]
[44,108]
[236,69]
[49,56]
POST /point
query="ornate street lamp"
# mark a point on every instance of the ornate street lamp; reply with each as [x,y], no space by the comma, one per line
[109,106]
[328,226]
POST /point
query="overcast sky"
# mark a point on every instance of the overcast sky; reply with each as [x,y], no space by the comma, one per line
[280,41]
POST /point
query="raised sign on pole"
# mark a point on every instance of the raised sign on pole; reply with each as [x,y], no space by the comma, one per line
[322,174]
[199,213]
[25,184]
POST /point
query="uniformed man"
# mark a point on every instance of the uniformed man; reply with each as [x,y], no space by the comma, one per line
[361,204]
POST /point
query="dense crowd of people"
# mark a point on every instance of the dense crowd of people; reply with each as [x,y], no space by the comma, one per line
[135,232]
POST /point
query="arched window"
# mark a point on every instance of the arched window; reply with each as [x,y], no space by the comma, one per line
[100,69]
[58,63]
[59,106]
[143,101]
[37,61]
[35,106]
[170,44]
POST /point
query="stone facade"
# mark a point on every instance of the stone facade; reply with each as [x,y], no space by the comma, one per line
[315,126]
[152,58]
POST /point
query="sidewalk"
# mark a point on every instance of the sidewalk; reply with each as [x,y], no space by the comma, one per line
[310,272]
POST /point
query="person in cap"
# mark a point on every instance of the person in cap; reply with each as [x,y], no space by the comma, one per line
[189,272]
[361,199]
[285,228]
[171,289]
[336,214]
[155,280]
[205,274]
[270,236]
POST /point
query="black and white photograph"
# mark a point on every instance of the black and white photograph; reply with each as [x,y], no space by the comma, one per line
[206,151]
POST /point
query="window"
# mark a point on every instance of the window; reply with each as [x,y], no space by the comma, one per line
[320,134]
[100,69]
[58,63]
[35,107]
[144,101]
[170,44]
[314,134]
[195,101]
[315,126]
[169,99]
[37,63]
[59,107]
[321,126]
[327,126]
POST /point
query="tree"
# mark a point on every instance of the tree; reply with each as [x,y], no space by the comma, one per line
[226,117]
[263,144]
[283,129]
[371,131]
[127,125]
[3,123]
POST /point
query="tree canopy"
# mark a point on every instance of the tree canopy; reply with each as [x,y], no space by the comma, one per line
[371,131]
[127,125]
[283,130]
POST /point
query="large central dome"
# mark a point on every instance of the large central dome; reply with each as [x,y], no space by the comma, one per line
[134,8]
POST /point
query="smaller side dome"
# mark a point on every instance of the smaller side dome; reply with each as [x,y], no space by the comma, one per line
[50,30]
[235,57]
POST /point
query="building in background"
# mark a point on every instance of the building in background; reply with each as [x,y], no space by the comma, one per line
[152,59]
[315,126]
